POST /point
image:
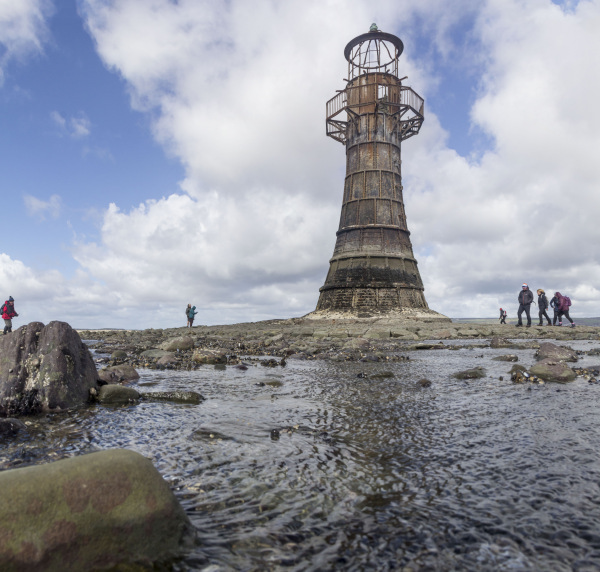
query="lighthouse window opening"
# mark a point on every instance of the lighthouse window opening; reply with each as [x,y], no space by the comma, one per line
[382,92]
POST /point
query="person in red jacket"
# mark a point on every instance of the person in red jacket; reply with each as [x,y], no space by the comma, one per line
[8,313]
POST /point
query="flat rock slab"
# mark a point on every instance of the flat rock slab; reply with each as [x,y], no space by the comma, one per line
[190,397]
[96,511]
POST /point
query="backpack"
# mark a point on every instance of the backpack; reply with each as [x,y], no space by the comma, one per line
[566,302]
[3,309]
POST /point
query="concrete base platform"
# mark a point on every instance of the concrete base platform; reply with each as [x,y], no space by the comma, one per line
[404,315]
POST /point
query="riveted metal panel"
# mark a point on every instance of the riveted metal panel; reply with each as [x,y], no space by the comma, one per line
[387,185]
[351,214]
[366,212]
[371,186]
[358,185]
[384,212]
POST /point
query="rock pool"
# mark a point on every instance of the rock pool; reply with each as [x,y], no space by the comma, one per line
[326,465]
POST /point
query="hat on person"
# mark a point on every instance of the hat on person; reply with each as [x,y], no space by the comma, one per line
[524,286]
[11,299]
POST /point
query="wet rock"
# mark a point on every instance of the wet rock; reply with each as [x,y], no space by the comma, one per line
[269,362]
[554,352]
[517,367]
[507,357]
[190,397]
[118,373]
[519,376]
[44,368]
[383,375]
[210,357]
[115,394]
[154,354]
[444,334]
[497,342]
[10,427]
[553,370]
[473,373]
[428,346]
[424,383]
[402,334]
[357,344]
[167,359]
[181,343]
[97,511]
[118,354]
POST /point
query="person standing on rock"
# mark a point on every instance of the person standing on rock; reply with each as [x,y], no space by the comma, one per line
[542,307]
[503,315]
[525,300]
[8,313]
[561,308]
[190,312]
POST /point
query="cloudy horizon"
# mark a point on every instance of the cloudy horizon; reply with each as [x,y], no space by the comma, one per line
[162,153]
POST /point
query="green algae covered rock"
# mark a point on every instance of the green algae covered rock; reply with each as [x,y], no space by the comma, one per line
[116,394]
[101,510]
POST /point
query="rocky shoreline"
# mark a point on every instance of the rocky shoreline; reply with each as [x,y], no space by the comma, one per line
[379,338]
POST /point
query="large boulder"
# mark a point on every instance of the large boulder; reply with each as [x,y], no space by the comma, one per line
[551,351]
[553,370]
[99,511]
[44,368]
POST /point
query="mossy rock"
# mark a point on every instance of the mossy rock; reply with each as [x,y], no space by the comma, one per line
[99,511]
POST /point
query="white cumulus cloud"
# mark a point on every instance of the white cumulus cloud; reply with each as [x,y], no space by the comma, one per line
[23,29]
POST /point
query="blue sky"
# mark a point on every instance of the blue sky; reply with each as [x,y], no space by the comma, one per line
[158,153]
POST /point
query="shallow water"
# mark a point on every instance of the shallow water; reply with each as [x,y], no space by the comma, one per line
[319,469]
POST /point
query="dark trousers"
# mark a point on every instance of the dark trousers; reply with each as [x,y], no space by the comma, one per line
[559,315]
[524,308]
[543,314]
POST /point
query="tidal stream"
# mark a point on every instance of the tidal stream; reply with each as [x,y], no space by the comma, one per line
[311,467]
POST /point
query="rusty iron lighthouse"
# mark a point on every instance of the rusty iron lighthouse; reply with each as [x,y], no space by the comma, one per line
[373,268]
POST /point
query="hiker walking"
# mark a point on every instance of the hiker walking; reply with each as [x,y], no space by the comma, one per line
[542,307]
[8,313]
[503,315]
[525,300]
[190,312]
[561,308]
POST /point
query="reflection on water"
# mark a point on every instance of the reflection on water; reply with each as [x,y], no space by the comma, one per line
[314,468]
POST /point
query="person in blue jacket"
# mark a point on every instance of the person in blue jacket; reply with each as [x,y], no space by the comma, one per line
[190,312]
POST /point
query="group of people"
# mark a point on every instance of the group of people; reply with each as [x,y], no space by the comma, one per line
[559,303]
[8,313]
[190,313]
